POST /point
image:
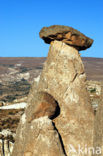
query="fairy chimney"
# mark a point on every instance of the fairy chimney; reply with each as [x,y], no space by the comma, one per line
[59,114]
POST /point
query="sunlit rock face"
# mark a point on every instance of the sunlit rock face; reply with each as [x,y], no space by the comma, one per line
[66,34]
[63,77]
[61,87]
[98,127]
[39,137]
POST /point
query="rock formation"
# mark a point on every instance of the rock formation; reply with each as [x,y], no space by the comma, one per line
[41,134]
[98,128]
[9,118]
[59,115]
[67,35]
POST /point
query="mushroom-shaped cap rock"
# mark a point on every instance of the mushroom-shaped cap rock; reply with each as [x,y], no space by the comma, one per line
[67,35]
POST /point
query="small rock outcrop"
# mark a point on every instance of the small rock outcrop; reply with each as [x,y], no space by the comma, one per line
[37,138]
[94,89]
[98,127]
[59,114]
[67,35]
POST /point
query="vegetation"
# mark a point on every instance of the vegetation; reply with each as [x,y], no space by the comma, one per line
[15,90]
[92,90]
[24,69]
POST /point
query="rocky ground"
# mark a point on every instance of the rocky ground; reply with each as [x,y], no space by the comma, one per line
[16,75]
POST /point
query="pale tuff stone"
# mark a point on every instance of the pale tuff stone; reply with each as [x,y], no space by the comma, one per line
[38,138]
[60,92]
[98,126]
[6,147]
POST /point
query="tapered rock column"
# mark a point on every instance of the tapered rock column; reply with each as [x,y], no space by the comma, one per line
[63,77]
[59,118]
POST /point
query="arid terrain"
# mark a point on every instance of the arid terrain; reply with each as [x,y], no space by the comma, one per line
[16,74]
[93,68]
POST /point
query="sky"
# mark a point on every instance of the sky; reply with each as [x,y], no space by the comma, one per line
[22,20]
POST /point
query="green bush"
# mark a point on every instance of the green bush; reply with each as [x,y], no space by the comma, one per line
[92,90]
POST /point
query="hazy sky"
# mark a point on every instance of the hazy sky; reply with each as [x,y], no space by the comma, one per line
[21,21]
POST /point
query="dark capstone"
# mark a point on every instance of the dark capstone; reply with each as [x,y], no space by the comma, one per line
[67,35]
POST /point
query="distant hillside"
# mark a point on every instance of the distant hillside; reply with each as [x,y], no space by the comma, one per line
[93,66]
[17,74]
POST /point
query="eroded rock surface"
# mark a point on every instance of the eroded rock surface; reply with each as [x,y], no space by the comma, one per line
[38,138]
[67,35]
[63,77]
[98,128]
[45,106]
[62,84]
